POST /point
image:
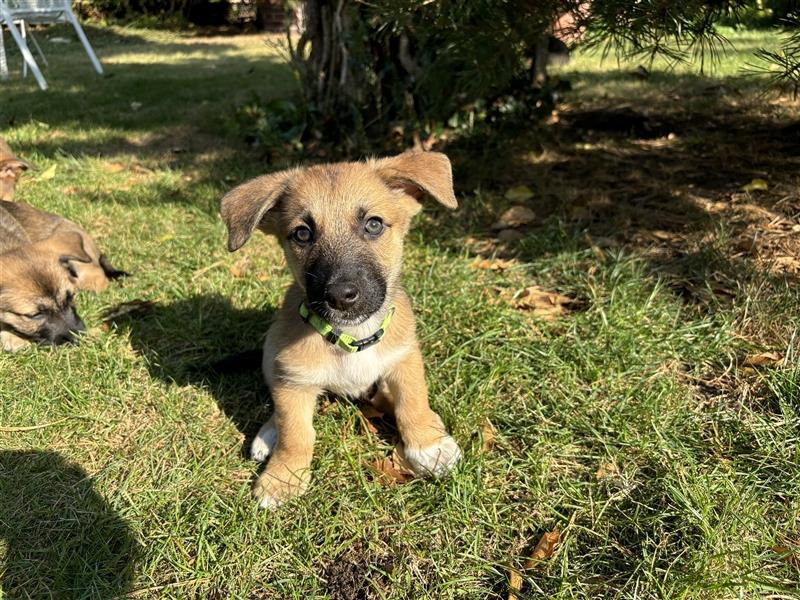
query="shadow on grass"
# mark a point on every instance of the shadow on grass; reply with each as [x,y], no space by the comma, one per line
[660,176]
[183,339]
[62,538]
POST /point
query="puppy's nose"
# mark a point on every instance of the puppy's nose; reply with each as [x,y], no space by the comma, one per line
[341,295]
[64,338]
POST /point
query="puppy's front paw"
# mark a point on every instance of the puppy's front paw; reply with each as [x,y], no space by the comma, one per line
[264,441]
[277,485]
[436,460]
[11,342]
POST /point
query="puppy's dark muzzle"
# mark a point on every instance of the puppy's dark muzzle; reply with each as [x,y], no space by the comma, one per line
[345,293]
[65,332]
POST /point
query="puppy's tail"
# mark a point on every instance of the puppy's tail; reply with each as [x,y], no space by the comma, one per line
[249,360]
[110,271]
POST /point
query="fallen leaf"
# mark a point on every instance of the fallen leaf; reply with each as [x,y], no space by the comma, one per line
[514,583]
[240,268]
[606,469]
[126,309]
[369,411]
[114,167]
[545,548]
[487,435]
[763,359]
[546,305]
[48,173]
[496,264]
[518,193]
[756,184]
[514,217]
[788,555]
[394,469]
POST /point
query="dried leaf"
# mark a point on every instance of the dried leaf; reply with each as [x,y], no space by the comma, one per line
[606,469]
[127,309]
[788,555]
[756,184]
[545,548]
[369,411]
[514,583]
[515,217]
[394,469]
[763,359]
[48,173]
[240,268]
[545,305]
[518,193]
[496,264]
[114,167]
[487,435]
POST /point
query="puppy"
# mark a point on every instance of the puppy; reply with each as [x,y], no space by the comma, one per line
[345,324]
[11,167]
[37,293]
[22,224]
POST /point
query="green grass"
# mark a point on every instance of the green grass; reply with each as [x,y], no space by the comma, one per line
[671,470]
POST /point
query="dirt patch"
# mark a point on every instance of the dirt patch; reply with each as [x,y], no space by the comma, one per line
[355,575]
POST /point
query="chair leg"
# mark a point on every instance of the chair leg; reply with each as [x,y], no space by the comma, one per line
[23,48]
[3,59]
[23,29]
[38,47]
[70,16]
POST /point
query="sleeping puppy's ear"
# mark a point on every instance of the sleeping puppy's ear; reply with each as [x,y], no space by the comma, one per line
[417,174]
[13,167]
[67,245]
[68,248]
[244,207]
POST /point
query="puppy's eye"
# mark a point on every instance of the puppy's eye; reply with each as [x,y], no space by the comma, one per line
[374,226]
[302,235]
[37,316]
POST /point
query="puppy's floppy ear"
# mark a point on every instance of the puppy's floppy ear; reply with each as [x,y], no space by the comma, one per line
[244,206]
[12,167]
[418,173]
[67,246]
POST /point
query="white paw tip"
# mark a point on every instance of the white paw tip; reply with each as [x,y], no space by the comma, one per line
[436,460]
[268,502]
[262,444]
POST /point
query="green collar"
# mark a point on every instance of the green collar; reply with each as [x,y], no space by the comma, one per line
[346,342]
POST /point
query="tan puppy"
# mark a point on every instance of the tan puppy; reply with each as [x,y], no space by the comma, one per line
[342,228]
[11,167]
[22,224]
[37,292]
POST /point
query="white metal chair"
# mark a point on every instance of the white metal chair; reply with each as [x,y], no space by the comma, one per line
[17,14]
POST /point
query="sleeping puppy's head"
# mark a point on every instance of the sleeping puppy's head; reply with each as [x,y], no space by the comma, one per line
[341,225]
[11,167]
[37,293]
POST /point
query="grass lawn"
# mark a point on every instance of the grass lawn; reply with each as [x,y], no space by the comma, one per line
[646,423]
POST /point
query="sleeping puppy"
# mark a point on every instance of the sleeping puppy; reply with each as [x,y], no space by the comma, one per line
[11,167]
[22,224]
[37,292]
[346,325]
